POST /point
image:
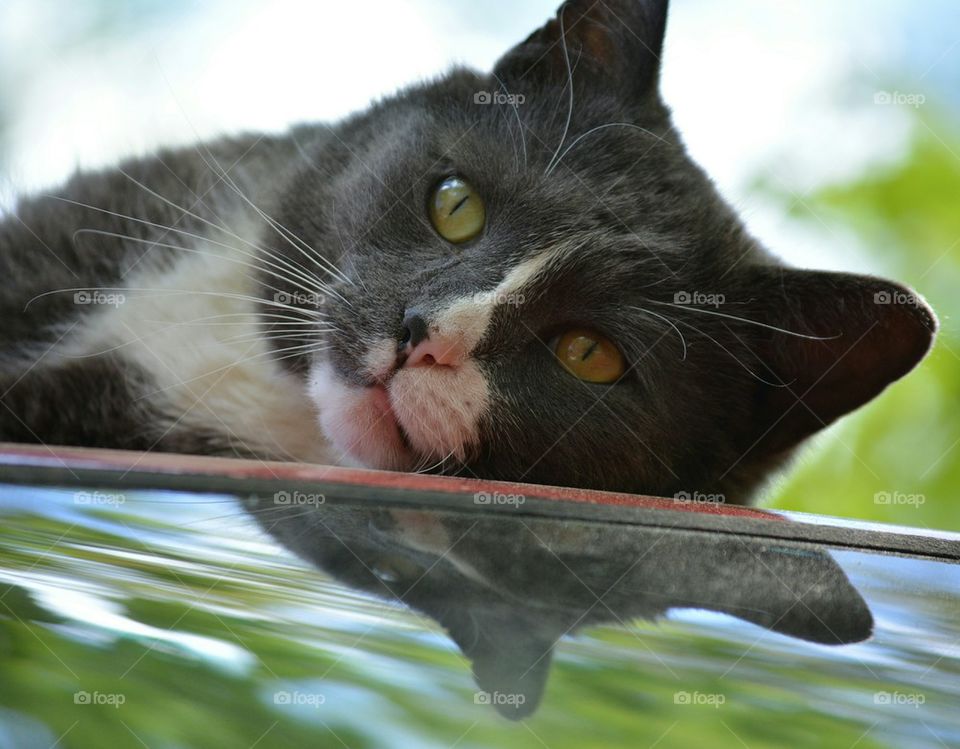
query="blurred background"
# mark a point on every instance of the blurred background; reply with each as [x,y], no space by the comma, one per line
[834,129]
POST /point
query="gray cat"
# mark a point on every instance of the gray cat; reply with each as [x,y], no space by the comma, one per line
[518,275]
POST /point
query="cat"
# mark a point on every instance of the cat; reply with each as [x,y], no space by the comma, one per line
[518,275]
[507,589]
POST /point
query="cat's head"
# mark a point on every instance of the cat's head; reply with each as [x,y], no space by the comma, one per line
[535,282]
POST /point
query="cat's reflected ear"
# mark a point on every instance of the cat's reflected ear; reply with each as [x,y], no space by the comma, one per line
[511,659]
[850,336]
[797,592]
[612,44]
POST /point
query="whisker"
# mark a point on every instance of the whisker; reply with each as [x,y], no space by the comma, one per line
[732,355]
[566,59]
[669,322]
[702,311]
[291,238]
[185,211]
[602,127]
[319,288]
[270,353]
[175,292]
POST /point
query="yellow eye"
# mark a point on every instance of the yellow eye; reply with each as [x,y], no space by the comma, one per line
[589,356]
[456,210]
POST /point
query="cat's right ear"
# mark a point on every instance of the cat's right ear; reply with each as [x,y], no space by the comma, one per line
[612,45]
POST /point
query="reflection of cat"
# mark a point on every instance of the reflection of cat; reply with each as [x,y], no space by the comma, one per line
[518,275]
[507,589]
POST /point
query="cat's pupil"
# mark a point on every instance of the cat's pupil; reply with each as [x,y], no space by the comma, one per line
[459,205]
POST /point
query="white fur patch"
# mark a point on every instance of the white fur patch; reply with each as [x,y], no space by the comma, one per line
[468,317]
[440,407]
[213,373]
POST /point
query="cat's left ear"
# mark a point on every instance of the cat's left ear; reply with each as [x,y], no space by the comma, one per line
[834,342]
[613,45]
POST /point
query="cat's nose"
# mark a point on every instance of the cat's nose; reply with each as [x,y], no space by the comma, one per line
[414,330]
[420,349]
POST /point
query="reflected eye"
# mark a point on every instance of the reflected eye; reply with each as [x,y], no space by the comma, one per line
[393,568]
[456,210]
[589,356]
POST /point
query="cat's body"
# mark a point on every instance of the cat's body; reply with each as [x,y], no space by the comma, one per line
[294,297]
[160,349]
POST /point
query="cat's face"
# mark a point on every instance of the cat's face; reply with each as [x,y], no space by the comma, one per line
[542,286]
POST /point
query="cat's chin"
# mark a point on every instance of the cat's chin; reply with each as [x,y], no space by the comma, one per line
[422,416]
[360,423]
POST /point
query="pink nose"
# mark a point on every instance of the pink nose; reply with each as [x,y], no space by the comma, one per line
[436,351]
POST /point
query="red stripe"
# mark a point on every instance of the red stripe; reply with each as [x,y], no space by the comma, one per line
[191,465]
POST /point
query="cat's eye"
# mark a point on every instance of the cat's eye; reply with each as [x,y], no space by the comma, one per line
[456,210]
[589,356]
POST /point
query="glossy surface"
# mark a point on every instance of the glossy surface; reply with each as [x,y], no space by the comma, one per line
[210,634]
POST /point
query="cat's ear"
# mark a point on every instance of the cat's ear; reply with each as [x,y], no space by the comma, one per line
[840,339]
[613,44]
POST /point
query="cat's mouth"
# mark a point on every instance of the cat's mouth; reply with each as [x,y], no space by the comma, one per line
[415,418]
[381,400]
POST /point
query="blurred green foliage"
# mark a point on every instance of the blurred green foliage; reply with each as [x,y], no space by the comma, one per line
[905,446]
